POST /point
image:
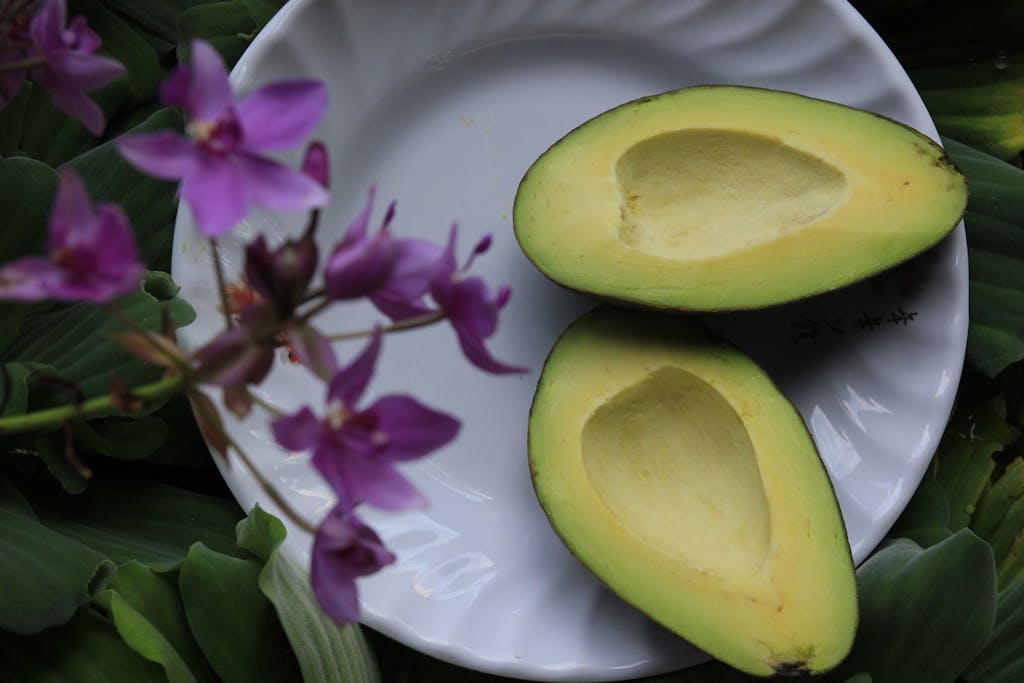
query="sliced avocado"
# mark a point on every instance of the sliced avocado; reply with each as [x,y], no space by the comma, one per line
[725,198]
[674,469]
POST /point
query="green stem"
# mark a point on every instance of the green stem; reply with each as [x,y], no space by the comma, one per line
[94,407]
[274,494]
[411,323]
[222,289]
[21,64]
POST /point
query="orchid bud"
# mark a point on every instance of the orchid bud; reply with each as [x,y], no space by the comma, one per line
[316,165]
[281,276]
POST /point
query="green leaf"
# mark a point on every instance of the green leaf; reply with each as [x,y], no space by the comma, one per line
[150,204]
[127,518]
[85,650]
[12,118]
[233,622]
[926,518]
[227,26]
[51,449]
[326,653]
[262,11]
[122,438]
[45,575]
[924,614]
[148,613]
[1002,659]
[995,239]
[48,134]
[26,192]
[1000,515]
[159,17]
[14,385]
[75,341]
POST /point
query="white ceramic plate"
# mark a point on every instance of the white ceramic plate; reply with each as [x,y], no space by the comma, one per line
[444,105]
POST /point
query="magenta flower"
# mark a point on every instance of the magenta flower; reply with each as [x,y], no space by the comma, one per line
[92,254]
[356,450]
[344,549]
[70,65]
[470,307]
[362,263]
[220,161]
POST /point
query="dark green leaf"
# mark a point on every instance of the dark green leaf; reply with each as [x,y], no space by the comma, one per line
[26,192]
[262,11]
[14,385]
[75,341]
[123,438]
[159,17]
[48,134]
[995,239]
[1002,659]
[11,315]
[227,26]
[45,575]
[1000,515]
[926,518]
[184,446]
[85,650]
[11,120]
[136,519]
[150,204]
[924,614]
[326,653]
[51,448]
[1010,569]
[233,622]
[147,611]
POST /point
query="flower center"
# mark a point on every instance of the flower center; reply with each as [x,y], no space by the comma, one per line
[337,414]
[220,136]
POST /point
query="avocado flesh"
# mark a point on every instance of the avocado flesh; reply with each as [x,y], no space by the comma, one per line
[727,198]
[673,468]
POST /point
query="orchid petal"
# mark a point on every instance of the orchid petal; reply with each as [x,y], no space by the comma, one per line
[47,26]
[77,105]
[414,270]
[380,484]
[71,218]
[412,430]
[314,351]
[175,88]
[164,154]
[216,194]
[349,383]
[281,115]
[477,354]
[316,163]
[28,279]
[299,431]
[209,92]
[277,187]
[356,230]
[360,268]
[85,71]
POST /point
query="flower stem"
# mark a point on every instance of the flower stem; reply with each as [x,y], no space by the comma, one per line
[274,494]
[265,404]
[222,289]
[411,323]
[22,64]
[94,407]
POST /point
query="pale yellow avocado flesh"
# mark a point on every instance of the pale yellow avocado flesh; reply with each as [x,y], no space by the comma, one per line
[675,470]
[726,197]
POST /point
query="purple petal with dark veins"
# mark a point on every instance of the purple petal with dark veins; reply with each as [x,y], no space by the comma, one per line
[412,430]
[349,383]
[277,187]
[164,154]
[299,431]
[281,115]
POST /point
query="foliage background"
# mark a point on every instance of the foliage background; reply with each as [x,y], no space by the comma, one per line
[148,570]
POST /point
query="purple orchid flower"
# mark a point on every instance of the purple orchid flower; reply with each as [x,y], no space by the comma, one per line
[281,275]
[344,549]
[220,162]
[92,254]
[70,65]
[469,305]
[362,263]
[356,450]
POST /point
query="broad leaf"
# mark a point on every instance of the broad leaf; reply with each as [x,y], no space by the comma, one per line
[1000,515]
[995,240]
[147,611]
[52,448]
[12,118]
[122,438]
[1002,659]
[262,11]
[150,204]
[326,653]
[45,575]
[227,26]
[14,385]
[924,614]
[85,650]
[136,519]
[26,192]
[926,518]
[233,622]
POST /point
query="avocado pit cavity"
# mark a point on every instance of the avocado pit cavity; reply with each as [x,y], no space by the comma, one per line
[701,193]
[673,461]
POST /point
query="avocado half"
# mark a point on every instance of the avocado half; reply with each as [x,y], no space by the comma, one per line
[725,198]
[675,470]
